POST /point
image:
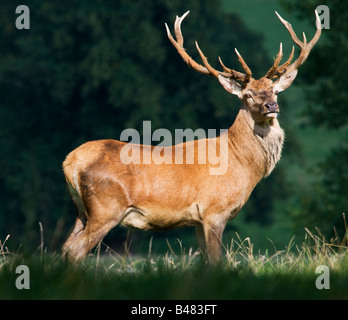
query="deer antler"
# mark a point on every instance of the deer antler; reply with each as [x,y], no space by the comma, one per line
[276,70]
[207,68]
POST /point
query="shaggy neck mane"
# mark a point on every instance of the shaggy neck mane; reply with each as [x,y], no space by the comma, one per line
[255,140]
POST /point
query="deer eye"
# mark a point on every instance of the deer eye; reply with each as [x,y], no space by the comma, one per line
[276,92]
[247,96]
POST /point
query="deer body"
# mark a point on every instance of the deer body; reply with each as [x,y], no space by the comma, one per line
[152,196]
[141,195]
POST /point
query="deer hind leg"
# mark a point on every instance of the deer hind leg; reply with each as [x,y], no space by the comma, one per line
[100,220]
[81,218]
[97,215]
[88,238]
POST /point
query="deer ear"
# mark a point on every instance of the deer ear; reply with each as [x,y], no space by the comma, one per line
[285,81]
[230,85]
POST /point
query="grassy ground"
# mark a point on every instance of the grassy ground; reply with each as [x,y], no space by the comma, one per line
[286,270]
[244,273]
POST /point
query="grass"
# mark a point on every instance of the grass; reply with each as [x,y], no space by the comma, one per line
[282,271]
[244,274]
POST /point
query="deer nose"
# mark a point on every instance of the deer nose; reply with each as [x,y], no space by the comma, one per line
[271,106]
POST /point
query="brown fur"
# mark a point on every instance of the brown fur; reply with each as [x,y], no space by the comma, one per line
[153,196]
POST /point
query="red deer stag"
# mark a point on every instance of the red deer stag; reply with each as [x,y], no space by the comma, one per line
[152,196]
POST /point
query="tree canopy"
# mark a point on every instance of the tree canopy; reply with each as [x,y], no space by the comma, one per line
[325,76]
[87,70]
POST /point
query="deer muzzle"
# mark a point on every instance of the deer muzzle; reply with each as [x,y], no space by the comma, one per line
[270,107]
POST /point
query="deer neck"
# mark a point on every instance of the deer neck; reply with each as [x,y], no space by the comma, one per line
[257,145]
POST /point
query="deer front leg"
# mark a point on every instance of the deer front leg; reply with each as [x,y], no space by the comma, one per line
[213,229]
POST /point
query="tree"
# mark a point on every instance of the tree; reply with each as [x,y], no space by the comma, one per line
[87,70]
[326,199]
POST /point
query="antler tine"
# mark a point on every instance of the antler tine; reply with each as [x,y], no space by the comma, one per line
[178,44]
[302,57]
[207,68]
[288,26]
[273,69]
[280,70]
[305,47]
[317,33]
[245,67]
[177,29]
[235,74]
[212,71]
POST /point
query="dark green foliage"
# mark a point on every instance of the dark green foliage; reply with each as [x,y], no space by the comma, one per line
[328,94]
[323,203]
[325,76]
[89,69]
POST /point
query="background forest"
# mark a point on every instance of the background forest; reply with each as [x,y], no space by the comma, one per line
[87,70]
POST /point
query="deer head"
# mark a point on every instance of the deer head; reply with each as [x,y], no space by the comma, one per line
[258,96]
